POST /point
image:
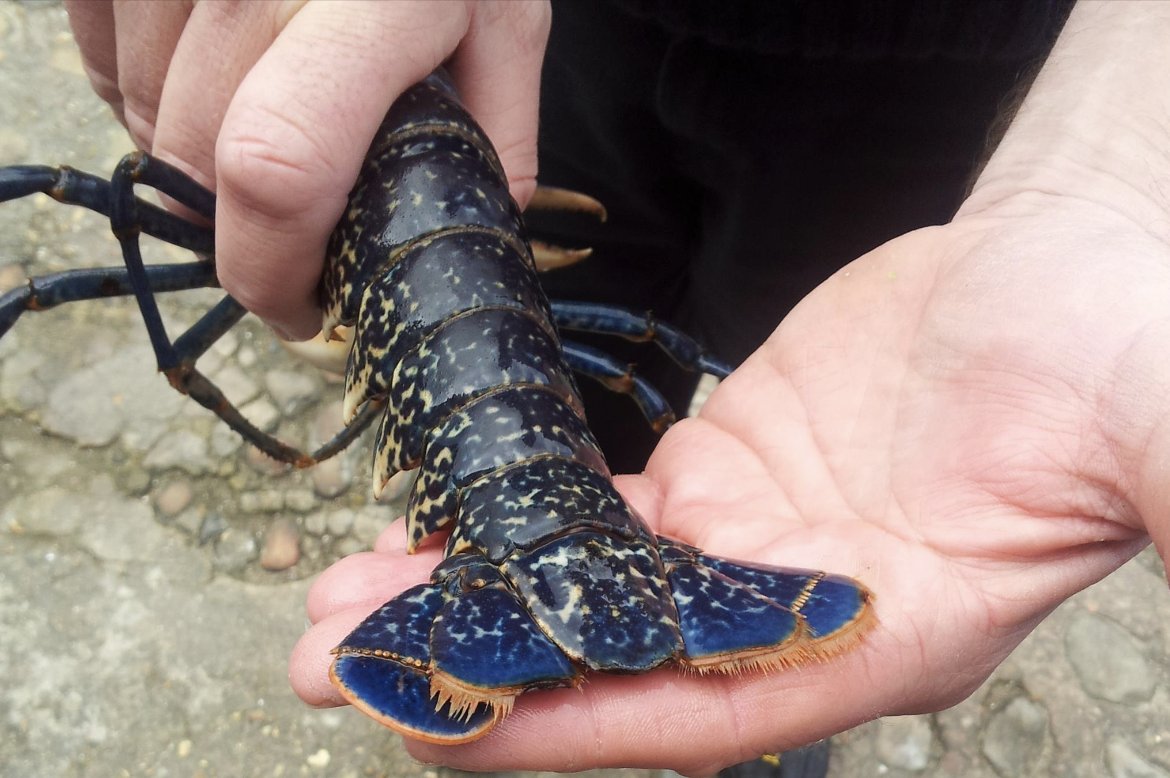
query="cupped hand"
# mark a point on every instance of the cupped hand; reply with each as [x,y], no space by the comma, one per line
[273,105]
[957,419]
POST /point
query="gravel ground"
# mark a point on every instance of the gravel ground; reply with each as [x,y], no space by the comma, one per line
[153,570]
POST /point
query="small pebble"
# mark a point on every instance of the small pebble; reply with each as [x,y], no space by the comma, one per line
[315,523]
[237,385]
[905,742]
[1109,661]
[1013,740]
[184,450]
[137,482]
[211,527]
[262,413]
[332,477]
[369,523]
[190,520]
[246,356]
[339,522]
[173,498]
[1125,761]
[234,550]
[266,501]
[282,546]
[327,421]
[291,390]
[348,546]
[310,548]
[11,276]
[300,500]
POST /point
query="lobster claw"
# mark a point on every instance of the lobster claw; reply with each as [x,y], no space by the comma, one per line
[444,661]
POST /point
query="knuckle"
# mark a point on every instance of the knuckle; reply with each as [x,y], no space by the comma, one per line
[102,84]
[274,168]
[141,120]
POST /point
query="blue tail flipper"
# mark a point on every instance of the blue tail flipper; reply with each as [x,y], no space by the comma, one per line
[834,611]
[383,669]
[444,661]
[726,624]
[830,604]
[486,649]
[400,698]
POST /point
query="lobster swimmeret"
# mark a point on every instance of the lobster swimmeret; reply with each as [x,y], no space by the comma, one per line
[547,572]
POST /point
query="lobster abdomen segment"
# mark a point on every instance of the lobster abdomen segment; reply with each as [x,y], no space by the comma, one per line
[504,428]
[467,357]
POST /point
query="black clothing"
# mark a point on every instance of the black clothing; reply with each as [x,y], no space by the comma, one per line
[747,150]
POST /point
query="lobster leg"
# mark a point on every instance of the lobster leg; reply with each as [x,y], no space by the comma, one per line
[621,378]
[615,320]
[74,187]
[550,198]
[129,217]
[70,286]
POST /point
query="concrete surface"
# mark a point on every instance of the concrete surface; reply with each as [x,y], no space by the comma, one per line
[140,634]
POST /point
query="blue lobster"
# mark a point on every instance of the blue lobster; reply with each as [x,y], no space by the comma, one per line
[548,573]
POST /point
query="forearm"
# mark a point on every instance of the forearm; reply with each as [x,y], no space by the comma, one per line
[1096,124]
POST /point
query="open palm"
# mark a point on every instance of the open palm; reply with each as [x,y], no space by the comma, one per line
[958,419]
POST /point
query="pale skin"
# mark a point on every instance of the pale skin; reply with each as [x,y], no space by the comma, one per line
[971,418]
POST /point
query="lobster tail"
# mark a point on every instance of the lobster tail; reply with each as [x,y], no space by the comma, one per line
[545,564]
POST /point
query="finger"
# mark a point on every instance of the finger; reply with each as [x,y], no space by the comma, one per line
[366,580]
[92,23]
[294,138]
[148,34]
[497,72]
[220,43]
[690,723]
[643,495]
[393,538]
[308,665]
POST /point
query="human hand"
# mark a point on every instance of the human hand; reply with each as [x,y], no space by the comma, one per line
[958,419]
[273,105]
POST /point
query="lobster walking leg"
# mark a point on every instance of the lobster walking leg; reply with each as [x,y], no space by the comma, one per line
[74,187]
[614,320]
[621,378]
[130,216]
[49,291]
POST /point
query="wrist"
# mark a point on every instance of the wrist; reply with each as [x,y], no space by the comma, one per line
[1095,126]
[1088,294]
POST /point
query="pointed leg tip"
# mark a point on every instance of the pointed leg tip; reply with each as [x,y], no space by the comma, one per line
[549,257]
[552,198]
[350,405]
